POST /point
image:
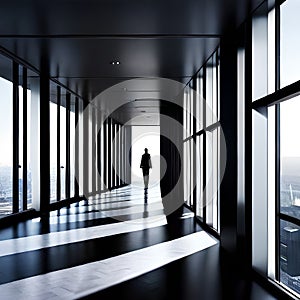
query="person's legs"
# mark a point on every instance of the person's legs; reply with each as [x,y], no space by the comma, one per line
[146,177]
[146,181]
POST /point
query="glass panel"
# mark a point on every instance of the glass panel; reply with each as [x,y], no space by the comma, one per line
[260,53]
[192,103]
[120,155]
[102,160]
[214,89]
[271,193]
[185,171]
[209,178]
[289,42]
[199,102]
[80,150]
[209,92]
[184,115]
[33,141]
[199,186]
[63,152]
[53,152]
[106,156]
[192,172]
[72,148]
[29,165]
[290,255]
[188,117]
[290,157]
[21,130]
[188,172]
[6,134]
[215,177]
[218,83]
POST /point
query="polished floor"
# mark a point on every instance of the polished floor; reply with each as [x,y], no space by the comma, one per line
[116,245]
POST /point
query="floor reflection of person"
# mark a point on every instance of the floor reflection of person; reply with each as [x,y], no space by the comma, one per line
[146,165]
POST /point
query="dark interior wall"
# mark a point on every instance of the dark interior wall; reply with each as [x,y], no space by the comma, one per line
[228,120]
[171,150]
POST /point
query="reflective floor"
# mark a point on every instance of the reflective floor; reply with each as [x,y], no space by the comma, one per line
[116,245]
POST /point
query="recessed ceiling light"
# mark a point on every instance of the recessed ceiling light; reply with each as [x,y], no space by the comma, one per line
[115,62]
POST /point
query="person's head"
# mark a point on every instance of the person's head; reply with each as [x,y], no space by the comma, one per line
[146,150]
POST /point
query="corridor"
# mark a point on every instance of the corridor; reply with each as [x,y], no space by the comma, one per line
[116,246]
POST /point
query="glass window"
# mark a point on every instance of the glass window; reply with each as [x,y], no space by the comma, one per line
[192,168]
[214,89]
[290,157]
[72,147]
[80,150]
[53,152]
[21,132]
[263,51]
[209,179]
[199,176]
[63,152]
[289,42]
[199,101]
[192,104]
[188,117]
[184,115]
[289,233]
[215,177]
[209,92]
[102,160]
[29,146]
[6,134]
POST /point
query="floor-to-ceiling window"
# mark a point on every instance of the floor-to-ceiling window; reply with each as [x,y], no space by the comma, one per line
[6,137]
[288,177]
[202,143]
[19,174]
[72,146]
[53,150]
[276,148]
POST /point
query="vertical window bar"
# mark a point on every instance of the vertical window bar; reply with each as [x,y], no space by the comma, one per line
[76,147]
[277,189]
[15,137]
[109,155]
[98,171]
[194,183]
[277,143]
[58,179]
[93,150]
[104,175]
[67,172]
[204,144]
[277,47]
[25,138]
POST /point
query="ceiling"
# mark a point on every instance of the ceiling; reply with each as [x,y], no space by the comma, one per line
[77,39]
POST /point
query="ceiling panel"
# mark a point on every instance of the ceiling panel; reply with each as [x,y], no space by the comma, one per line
[77,39]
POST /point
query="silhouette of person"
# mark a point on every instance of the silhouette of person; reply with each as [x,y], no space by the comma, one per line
[146,165]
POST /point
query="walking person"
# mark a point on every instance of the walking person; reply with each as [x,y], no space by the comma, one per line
[146,165]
